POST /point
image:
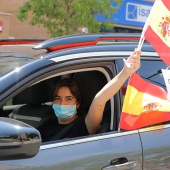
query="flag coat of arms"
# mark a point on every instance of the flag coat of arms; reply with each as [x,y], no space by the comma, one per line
[145,104]
[157,29]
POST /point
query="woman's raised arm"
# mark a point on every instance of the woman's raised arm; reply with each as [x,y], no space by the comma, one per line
[95,113]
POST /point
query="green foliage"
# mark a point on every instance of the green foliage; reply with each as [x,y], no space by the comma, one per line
[64,17]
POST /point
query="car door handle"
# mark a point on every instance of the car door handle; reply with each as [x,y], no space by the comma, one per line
[120,163]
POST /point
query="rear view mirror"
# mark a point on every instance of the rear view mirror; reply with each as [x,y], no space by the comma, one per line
[18,140]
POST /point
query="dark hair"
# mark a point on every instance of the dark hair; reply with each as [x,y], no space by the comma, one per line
[74,89]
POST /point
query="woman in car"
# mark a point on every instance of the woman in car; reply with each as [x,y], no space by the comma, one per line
[67,102]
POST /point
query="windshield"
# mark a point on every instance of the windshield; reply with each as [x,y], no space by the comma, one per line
[15,56]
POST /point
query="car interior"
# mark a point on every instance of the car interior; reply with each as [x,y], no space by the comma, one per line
[34,105]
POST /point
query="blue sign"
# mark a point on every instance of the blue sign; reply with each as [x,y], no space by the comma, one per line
[131,13]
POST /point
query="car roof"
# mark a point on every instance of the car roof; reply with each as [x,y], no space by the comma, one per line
[84,43]
[71,41]
[123,47]
[65,45]
[68,45]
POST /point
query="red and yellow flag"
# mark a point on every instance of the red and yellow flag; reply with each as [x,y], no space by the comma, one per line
[145,104]
[157,29]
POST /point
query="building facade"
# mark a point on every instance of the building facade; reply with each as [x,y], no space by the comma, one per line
[11,27]
[130,17]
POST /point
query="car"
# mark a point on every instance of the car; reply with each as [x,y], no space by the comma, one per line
[92,60]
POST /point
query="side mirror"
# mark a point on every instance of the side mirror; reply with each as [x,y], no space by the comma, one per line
[18,140]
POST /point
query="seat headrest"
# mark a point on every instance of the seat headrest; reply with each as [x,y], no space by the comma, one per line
[90,83]
[36,94]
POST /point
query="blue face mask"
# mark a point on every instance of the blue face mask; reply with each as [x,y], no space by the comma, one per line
[64,112]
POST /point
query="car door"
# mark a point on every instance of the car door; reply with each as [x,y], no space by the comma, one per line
[155,139]
[109,150]
[156,147]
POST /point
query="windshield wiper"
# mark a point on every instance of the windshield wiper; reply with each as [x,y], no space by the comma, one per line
[149,78]
[158,72]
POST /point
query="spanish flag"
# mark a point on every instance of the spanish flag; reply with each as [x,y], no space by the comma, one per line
[157,29]
[145,104]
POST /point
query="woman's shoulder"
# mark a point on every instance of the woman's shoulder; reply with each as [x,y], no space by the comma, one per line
[79,128]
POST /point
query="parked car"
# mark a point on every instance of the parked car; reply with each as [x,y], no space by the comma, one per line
[93,60]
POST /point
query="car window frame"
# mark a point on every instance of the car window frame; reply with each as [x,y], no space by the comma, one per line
[101,69]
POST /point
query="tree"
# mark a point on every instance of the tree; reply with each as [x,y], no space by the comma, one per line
[64,17]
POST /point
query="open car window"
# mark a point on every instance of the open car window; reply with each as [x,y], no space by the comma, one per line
[34,104]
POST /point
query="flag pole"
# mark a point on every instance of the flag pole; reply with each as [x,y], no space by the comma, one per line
[142,38]
[141,41]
